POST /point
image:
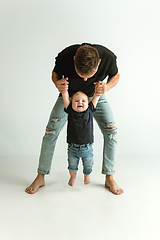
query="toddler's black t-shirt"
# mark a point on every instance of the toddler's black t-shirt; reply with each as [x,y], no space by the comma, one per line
[80,125]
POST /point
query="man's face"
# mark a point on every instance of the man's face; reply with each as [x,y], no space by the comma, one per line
[80,102]
[85,78]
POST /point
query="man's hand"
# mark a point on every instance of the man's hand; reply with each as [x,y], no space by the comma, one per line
[62,85]
[100,88]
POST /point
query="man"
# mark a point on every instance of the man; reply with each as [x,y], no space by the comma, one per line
[82,68]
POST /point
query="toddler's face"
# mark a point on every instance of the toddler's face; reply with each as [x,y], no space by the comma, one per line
[80,102]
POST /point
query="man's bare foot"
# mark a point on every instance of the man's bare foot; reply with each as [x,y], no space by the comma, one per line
[37,183]
[86,179]
[73,178]
[112,185]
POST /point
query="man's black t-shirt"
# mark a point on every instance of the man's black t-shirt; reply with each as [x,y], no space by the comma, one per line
[64,66]
[80,125]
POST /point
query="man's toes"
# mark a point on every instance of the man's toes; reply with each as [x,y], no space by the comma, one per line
[27,190]
[30,190]
[119,191]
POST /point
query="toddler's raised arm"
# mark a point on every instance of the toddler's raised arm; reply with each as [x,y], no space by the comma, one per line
[66,100]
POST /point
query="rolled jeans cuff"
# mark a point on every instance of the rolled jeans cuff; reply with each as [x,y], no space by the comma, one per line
[43,172]
[108,172]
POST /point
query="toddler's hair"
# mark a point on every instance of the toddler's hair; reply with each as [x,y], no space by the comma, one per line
[79,93]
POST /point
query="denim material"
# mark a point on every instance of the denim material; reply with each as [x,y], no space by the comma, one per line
[85,152]
[103,116]
[56,123]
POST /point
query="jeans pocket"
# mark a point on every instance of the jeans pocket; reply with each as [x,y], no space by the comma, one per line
[89,145]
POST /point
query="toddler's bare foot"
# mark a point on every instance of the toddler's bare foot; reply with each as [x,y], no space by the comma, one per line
[73,178]
[71,181]
[37,183]
[86,179]
[112,185]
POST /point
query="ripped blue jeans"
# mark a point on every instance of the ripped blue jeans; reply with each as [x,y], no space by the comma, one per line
[85,152]
[104,118]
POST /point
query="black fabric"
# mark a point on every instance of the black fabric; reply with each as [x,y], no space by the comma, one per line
[64,66]
[80,125]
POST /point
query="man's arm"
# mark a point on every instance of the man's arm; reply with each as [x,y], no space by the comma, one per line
[101,87]
[60,83]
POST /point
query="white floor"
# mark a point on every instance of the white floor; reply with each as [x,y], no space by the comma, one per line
[91,212]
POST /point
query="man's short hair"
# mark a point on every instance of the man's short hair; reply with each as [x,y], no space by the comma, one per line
[86,59]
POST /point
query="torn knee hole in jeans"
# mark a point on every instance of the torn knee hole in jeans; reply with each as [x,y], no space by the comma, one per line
[110,126]
[112,135]
[56,119]
[50,131]
[101,101]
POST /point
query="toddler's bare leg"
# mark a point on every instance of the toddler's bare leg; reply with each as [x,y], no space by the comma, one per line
[86,179]
[37,183]
[72,178]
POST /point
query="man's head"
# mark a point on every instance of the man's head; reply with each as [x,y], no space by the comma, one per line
[86,61]
[80,101]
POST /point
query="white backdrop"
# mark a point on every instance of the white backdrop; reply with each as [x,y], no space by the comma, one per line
[32,32]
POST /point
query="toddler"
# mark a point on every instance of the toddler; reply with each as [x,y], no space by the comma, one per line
[80,133]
